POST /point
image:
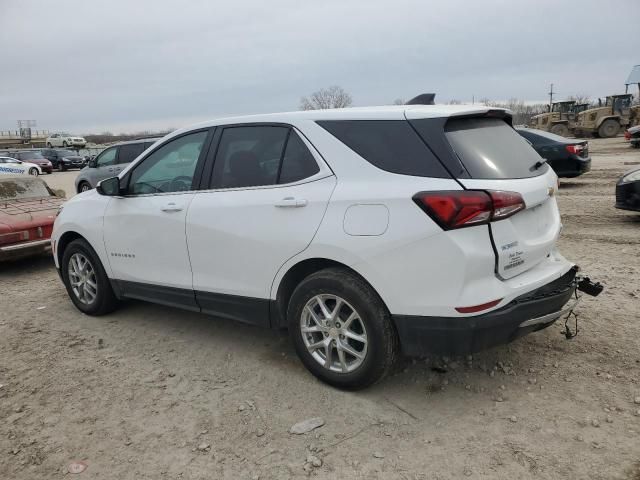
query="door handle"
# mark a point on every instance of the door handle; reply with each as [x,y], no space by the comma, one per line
[291,202]
[171,207]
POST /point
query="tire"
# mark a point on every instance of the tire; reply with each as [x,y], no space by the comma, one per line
[560,129]
[61,167]
[84,187]
[64,144]
[49,145]
[609,128]
[103,301]
[34,171]
[371,322]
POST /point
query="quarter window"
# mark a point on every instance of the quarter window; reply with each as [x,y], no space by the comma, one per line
[170,168]
[298,162]
[391,145]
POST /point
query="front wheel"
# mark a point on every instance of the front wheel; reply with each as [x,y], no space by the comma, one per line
[33,171]
[49,145]
[341,329]
[64,144]
[61,167]
[609,129]
[85,279]
[84,187]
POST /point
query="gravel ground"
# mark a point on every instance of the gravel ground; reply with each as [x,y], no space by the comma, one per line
[150,392]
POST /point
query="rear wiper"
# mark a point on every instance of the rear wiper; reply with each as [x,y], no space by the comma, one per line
[539,163]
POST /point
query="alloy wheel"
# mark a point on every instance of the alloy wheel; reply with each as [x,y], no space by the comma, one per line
[334,333]
[82,278]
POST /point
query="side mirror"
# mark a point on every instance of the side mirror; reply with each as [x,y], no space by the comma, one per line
[92,163]
[109,187]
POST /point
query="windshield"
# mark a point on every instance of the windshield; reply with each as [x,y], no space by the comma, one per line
[22,188]
[30,155]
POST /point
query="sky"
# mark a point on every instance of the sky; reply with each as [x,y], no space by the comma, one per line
[89,66]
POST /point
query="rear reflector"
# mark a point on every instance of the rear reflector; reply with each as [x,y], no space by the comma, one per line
[478,308]
[465,208]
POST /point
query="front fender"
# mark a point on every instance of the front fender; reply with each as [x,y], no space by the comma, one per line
[84,215]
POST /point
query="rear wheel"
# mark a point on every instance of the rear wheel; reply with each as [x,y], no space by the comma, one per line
[341,329]
[33,171]
[49,145]
[560,129]
[85,279]
[64,144]
[60,166]
[83,187]
[609,128]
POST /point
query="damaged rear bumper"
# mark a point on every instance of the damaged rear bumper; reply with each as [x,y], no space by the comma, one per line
[528,313]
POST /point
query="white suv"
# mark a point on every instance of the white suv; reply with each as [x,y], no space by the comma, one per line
[65,140]
[366,232]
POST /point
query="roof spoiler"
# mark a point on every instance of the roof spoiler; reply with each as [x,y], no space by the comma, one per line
[423,99]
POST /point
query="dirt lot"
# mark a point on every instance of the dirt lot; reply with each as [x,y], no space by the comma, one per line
[152,393]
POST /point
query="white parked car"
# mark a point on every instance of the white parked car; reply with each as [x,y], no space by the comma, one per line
[12,166]
[366,232]
[65,140]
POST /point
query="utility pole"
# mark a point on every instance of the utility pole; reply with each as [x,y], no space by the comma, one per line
[550,97]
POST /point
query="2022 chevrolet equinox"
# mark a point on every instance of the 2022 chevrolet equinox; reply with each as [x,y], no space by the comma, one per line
[367,232]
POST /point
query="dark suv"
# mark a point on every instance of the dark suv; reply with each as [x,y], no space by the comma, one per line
[63,159]
[110,162]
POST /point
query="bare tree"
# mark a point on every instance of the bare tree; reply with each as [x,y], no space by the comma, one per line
[580,98]
[325,98]
[399,101]
[454,101]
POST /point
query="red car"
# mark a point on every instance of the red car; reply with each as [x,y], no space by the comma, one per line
[27,211]
[33,156]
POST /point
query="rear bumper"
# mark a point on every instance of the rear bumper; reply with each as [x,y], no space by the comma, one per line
[628,196]
[25,249]
[463,335]
[572,167]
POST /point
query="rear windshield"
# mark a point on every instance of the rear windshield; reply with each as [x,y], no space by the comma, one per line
[19,189]
[391,145]
[490,149]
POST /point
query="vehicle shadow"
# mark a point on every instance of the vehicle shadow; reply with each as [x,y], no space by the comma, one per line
[35,264]
[444,382]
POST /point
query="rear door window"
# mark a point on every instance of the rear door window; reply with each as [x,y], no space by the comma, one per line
[249,156]
[391,145]
[127,153]
[490,149]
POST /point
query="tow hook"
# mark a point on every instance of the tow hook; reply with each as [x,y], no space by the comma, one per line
[584,284]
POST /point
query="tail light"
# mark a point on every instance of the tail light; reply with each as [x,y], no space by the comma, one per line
[466,208]
[574,149]
[627,135]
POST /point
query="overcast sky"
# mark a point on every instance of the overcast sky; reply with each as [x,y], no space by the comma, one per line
[125,65]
